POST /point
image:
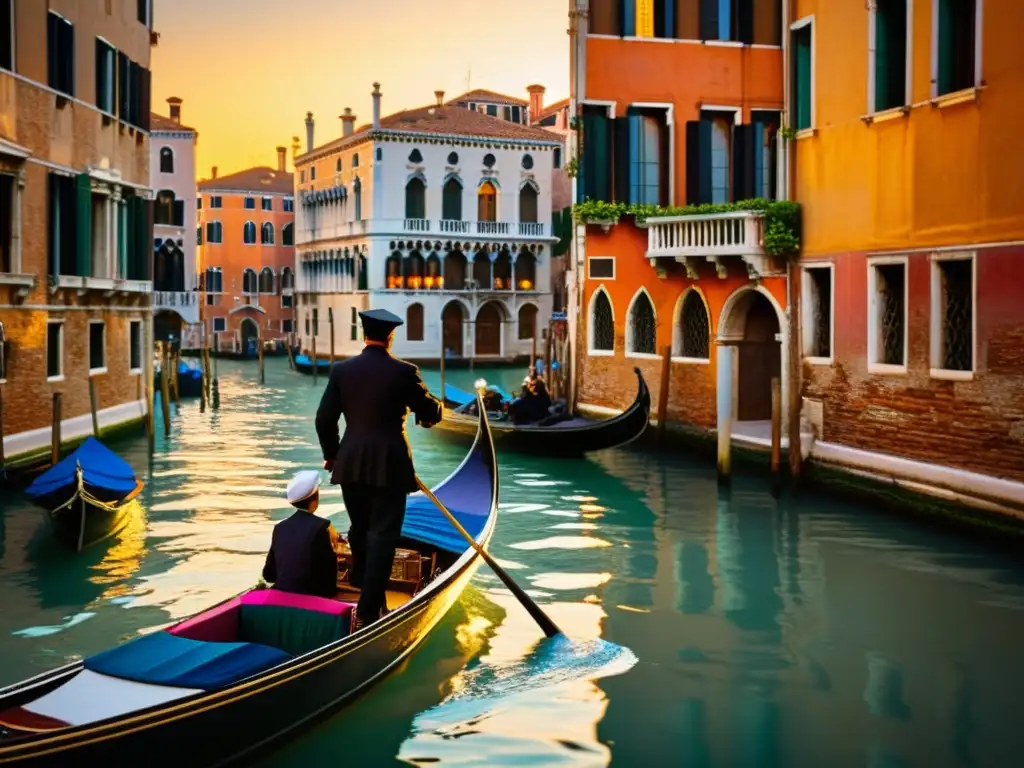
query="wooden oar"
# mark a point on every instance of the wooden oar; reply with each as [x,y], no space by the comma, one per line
[546,624]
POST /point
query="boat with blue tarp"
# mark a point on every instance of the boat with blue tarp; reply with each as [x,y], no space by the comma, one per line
[224,685]
[304,364]
[86,494]
[190,379]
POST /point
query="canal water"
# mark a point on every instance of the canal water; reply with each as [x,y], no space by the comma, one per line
[708,628]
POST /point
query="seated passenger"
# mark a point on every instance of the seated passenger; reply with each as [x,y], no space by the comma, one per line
[302,558]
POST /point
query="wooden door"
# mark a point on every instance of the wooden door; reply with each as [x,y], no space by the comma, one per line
[488,330]
[451,324]
[759,361]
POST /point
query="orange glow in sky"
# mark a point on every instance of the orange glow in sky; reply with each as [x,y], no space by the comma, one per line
[249,70]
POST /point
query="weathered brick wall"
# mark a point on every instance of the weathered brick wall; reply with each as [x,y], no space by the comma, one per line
[973,425]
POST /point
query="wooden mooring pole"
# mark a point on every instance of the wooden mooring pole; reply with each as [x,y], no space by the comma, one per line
[215,400]
[55,429]
[776,436]
[92,408]
[330,322]
[726,367]
[259,357]
[314,356]
[666,370]
[165,399]
[547,354]
[533,351]
[173,356]
[291,354]
[795,373]
[442,362]
[3,456]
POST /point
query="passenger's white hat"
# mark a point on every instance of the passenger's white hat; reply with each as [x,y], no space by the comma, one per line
[303,485]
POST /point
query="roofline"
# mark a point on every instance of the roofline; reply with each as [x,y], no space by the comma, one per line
[261,192]
[385,132]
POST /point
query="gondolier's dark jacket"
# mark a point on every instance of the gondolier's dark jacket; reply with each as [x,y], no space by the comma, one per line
[301,557]
[375,392]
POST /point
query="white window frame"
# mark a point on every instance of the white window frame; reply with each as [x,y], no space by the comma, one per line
[174,160]
[608,258]
[806,298]
[807,21]
[14,38]
[670,124]
[590,325]
[216,201]
[629,327]
[290,297]
[223,321]
[60,355]
[873,327]
[677,342]
[103,368]
[256,233]
[132,325]
[936,371]
[17,190]
[978,38]
[908,97]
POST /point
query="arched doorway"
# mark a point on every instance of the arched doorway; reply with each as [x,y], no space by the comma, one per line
[452,319]
[166,326]
[759,358]
[250,333]
[488,329]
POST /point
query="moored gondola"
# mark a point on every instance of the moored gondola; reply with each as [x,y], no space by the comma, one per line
[222,686]
[190,380]
[86,494]
[304,364]
[572,437]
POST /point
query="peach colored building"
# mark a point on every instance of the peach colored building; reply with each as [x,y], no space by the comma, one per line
[246,238]
[75,217]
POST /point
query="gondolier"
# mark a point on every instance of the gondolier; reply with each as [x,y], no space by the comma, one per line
[372,462]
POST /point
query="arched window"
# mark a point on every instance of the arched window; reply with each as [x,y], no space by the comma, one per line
[380,154]
[453,158]
[166,160]
[451,200]
[249,233]
[267,233]
[487,202]
[414,322]
[526,271]
[527,162]
[337,165]
[489,160]
[214,281]
[249,283]
[267,280]
[602,323]
[415,157]
[168,210]
[393,270]
[357,193]
[641,329]
[363,280]
[693,329]
[287,279]
[528,204]
[355,160]
[527,322]
[288,234]
[415,199]
[214,232]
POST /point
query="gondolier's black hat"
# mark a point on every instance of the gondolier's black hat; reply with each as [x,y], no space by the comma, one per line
[378,323]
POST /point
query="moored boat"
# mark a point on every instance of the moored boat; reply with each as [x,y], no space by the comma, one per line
[190,380]
[225,684]
[86,494]
[304,364]
[572,437]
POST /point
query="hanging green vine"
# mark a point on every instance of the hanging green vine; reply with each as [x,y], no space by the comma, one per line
[782,218]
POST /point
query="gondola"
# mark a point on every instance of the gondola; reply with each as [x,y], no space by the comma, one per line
[190,380]
[86,494]
[224,685]
[573,437]
[304,364]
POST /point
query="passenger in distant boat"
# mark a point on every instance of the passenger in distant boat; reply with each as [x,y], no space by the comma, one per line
[372,462]
[492,400]
[301,557]
[541,401]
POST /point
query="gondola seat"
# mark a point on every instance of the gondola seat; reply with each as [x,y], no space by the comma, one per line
[295,624]
[161,658]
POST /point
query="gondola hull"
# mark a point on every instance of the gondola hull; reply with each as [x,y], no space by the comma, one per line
[99,523]
[304,364]
[570,438]
[234,722]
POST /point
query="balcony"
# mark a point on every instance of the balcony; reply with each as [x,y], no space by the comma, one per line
[184,303]
[690,240]
[108,286]
[515,229]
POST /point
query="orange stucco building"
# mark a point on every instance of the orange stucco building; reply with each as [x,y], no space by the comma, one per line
[246,237]
[909,175]
[678,103]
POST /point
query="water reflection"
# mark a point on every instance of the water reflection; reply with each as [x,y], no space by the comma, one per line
[798,632]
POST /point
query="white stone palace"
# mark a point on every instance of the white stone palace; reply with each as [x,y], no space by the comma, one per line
[438,214]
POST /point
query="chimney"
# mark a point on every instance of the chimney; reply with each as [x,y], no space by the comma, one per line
[348,122]
[536,101]
[439,95]
[281,161]
[296,146]
[175,110]
[309,131]
[213,173]
[376,105]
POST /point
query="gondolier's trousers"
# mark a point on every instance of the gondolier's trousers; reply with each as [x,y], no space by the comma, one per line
[376,515]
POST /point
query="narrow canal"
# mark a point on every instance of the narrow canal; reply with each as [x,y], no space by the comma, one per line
[793,633]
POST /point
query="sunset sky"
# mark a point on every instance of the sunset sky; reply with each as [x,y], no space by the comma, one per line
[249,70]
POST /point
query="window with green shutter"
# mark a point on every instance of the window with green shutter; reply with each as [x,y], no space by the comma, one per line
[597,156]
[801,75]
[890,55]
[956,45]
[83,225]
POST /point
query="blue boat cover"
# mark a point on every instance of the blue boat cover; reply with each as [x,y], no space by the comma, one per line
[461,397]
[307,360]
[161,658]
[101,468]
[184,369]
[466,494]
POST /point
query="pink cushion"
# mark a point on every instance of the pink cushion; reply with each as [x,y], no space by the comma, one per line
[292,600]
[218,625]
